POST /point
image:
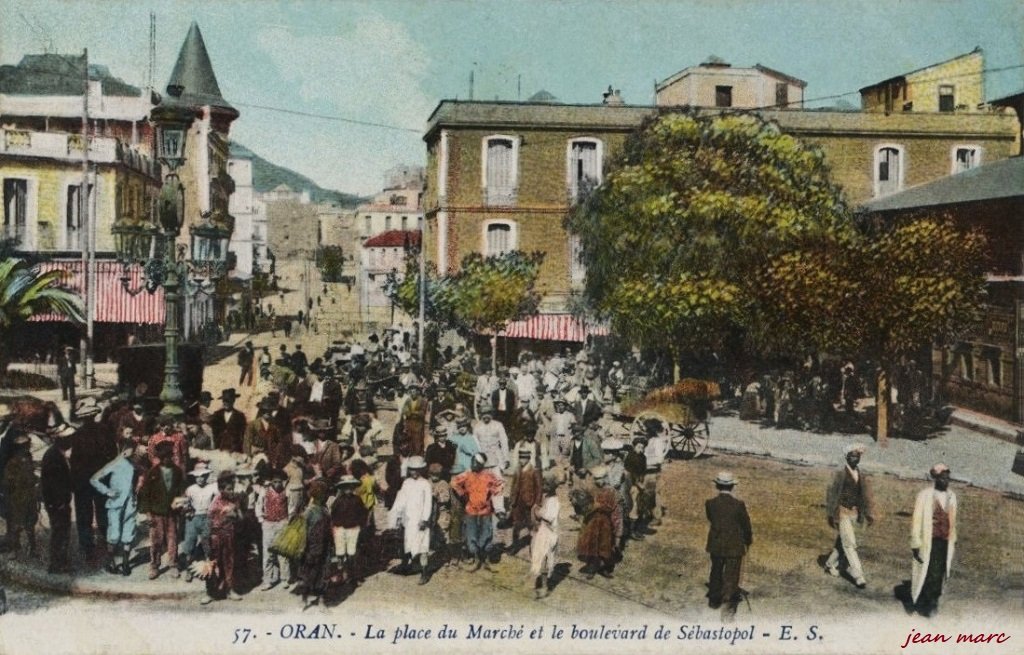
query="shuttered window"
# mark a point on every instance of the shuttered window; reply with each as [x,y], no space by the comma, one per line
[501,170]
[584,166]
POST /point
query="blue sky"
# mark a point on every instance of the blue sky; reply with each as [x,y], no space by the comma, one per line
[391,62]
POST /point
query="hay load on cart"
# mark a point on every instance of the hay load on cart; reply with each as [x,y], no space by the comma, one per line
[681,411]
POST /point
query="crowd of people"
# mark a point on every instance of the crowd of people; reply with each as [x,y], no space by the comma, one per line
[312,493]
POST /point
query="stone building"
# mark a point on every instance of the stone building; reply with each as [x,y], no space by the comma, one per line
[954,85]
[249,238]
[985,372]
[41,172]
[502,175]
[383,255]
[716,83]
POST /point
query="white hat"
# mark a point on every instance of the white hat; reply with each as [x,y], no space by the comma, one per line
[416,462]
[938,470]
[599,472]
[611,444]
[480,458]
[725,479]
[855,448]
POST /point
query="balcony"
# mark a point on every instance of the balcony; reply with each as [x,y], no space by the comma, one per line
[68,148]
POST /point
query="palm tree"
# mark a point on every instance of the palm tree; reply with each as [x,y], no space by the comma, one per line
[25,292]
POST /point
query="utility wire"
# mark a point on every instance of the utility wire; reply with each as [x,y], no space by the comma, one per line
[340,119]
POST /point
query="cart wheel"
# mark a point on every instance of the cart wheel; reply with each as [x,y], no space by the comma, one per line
[689,441]
[648,423]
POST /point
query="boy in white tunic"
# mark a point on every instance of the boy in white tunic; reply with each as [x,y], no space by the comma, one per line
[545,538]
[413,509]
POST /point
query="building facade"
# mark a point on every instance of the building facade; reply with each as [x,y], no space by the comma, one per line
[716,83]
[382,256]
[249,239]
[985,371]
[502,175]
[62,198]
[954,85]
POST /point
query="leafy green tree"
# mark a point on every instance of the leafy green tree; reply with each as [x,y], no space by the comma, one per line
[25,292]
[689,215]
[331,261]
[483,296]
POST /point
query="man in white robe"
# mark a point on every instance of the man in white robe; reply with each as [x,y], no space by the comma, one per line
[413,508]
[932,541]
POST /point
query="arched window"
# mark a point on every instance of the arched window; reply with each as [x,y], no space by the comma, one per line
[499,237]
[889,169]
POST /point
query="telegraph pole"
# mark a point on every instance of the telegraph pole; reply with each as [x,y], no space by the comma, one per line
[84,236]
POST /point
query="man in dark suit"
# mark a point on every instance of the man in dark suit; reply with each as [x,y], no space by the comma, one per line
[503,402]
[588,410]
[56,488]
[228,424]
[66,369]
[729,537]
[93,445]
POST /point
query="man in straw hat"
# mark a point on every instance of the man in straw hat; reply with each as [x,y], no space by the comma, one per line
[848,501]
[56,488]
[480,493]
[93,445]
[200,495]
[729,537]
[413,509]
[932,540]
[348,517]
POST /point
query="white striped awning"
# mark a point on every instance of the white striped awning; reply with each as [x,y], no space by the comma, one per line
[552,327]
[113,303]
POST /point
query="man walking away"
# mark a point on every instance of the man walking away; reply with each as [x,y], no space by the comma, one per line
[729,537]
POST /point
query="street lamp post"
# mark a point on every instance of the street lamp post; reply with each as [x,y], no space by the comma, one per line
[170,268]
[172,120]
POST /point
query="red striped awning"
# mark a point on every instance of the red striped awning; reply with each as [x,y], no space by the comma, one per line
[552,327]
[113,303]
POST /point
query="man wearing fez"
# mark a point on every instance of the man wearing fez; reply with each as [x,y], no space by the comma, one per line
[163,486]
[92,446]
[729,537]
[228,424]
[56,487]
[932,540]
[848,501]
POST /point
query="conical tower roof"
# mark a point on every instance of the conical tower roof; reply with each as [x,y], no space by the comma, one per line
[194,73]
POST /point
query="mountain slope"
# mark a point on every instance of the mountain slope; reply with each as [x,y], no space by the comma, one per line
[266,175]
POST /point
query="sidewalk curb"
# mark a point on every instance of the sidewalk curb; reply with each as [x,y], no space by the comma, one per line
[899,473]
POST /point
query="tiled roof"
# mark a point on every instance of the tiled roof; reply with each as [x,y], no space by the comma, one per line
[393,239]
[194,72]
[1001,179]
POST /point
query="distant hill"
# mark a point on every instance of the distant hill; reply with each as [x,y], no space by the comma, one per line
[267,175]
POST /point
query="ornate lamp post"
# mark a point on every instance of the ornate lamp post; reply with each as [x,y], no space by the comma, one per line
[138,243]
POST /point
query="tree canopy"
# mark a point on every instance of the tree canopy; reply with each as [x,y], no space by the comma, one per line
[691,213]
[483,296]
[719,225]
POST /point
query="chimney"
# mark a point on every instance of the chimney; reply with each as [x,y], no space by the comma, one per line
[612,98]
